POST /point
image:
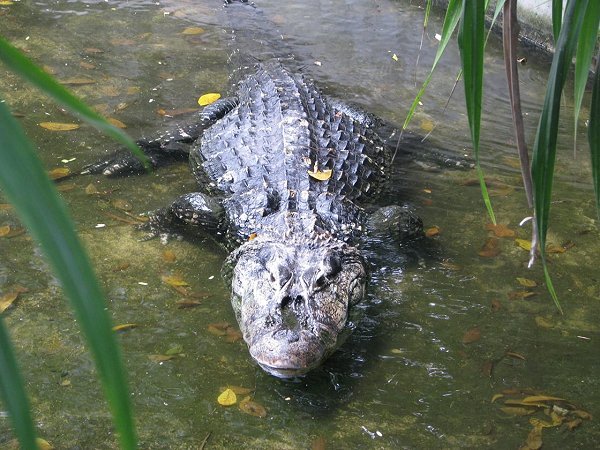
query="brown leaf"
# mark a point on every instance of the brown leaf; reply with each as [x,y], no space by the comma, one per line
[516,355]
[124,265]
[525,282]
[490,253]
[77,81]
[518,410]
[542,398]
[472,336]
[55,126]
[573,424]
[174,280]
[183,304]
[487,369]
[177,112]
[216,331]
[220,326]
[495,305]
[58,173]
[123,205]
[20,289]
[122,41]
[583,414]
[319,444]
[86,65]
[117,123]
[523,294]
[232,335]
[253,408]
[500,230]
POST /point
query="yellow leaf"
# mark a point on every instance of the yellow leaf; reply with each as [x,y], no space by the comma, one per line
[169,256]
[534,440]
[193,30]
[214,330]
[54,126]
[6,2]
[540,423]
[496,397]
[43,444]
[126,326]
[583,414]
[4,230]
[174,280]
[427,125]
[252,408]
[207,99]
[116,123]
[58,173]
[524,243]
[526,282]
[7,300]
[542,322]
[318,175]
[227,398]
[395,57]
[542,398]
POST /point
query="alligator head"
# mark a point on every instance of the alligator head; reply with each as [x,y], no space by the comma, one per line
[294,299]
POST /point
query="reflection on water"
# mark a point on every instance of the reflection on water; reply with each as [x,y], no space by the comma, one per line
[405,379]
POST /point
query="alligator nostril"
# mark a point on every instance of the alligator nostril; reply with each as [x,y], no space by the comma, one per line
[285,301]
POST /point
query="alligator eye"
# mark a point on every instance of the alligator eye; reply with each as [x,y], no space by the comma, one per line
[321,281]
[332,265]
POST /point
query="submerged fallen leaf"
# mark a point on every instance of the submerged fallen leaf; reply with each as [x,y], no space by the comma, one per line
[573,424]
[583,414]
[126,326]
[522,294]
[7,300]
[534,440]
[122,41]
[77,81]
[55,126]
[500,230]
[123,205]
[496,397]
[217,332]
[174,350]
[432,231]
[540,423]
[319,444]
[183,304]
[116,123]
[86,65]
[58,173]
[207,99]
[516,355]
[232,335]
[227,398]
[124,265]
[524,244]
[487,369]
[237,389]
[43,444]
[526,282]
[518,410]
[252,408]
[427,125]
[168,256]
[110,91]
[174,280]
[542,322]
[495,305]
[161,357]
[542,398]
[193,30]
[555,249]
[176,112]
[4,230]
[472,335]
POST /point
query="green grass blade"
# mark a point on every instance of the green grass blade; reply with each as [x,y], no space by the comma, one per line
[13,393]
[451,20]
[585,51]
[594,135]
[544,152]
[20,65]
[557,13]
[27,187]
[471,42]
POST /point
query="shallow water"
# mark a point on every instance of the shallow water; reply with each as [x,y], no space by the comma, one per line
[405,379]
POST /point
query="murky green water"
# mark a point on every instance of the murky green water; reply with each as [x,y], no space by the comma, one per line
[405,379]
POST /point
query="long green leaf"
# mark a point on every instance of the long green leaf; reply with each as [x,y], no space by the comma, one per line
[594,135]
[585,51]
[451,20]
[27,187]
[471,42]
[544,153]
[557,10]
[13,393]
[19,64]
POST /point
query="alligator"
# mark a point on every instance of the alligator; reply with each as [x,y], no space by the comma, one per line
[284,174]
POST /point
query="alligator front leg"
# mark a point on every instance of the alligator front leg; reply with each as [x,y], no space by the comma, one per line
[170,146]
[398,222]
[195,209]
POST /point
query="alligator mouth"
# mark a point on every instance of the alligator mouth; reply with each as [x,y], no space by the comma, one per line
[288,353]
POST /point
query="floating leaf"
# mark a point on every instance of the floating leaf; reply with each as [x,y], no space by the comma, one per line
[116,123]
[7,300]
[161,357]
[207,99]
[472,335]
[320,175]
[126,326]
[526,282]
[193,30]
[524,244]
[55,126]
[168,256]
[65,187]
[4,230]
[500,230]
[252,408]
[227,398]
